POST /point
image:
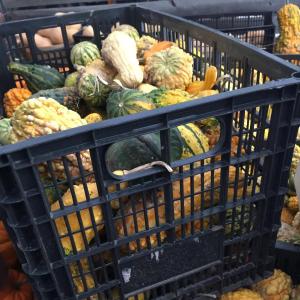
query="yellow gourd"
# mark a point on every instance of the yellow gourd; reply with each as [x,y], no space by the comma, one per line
[289,22]
[242,294]
[194,88]
[276,287]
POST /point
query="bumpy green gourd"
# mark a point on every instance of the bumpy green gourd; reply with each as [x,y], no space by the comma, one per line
[127,102]
[84,53]
[38,77]
[92,90]
[71,79]
[5,131]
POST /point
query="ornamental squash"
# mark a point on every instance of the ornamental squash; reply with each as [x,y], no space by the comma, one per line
[73,218]
[13,98]
[7,250]
[38,77]
[241,294]
[17,287]
[146,88]
[127,102]
[42,116]
[84,53]
[194,140]
[92,90]
[286,216]
[276,287]
[71,79]
[293,204]
[133,152]
[160,46]
[128,29]
[289,23]
[171,68]
[67,96]
[5,131]
[163,97]
[120,51]
[194,88]
[93,118]
[144,44]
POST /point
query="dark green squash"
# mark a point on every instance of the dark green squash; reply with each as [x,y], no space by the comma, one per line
[38,77]
[137,151]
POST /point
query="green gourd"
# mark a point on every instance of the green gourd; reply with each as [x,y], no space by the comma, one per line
[38,77]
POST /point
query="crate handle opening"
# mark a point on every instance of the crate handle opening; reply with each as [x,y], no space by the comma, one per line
[296,75]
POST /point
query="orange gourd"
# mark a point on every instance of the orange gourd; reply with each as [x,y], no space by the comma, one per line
[7,250]
[13,98]
[160,46]
[16,287]
[196,87]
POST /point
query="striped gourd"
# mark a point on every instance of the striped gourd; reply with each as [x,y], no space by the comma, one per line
[84,53]
[127,102]
[38,77]
[194,140]
[92,90]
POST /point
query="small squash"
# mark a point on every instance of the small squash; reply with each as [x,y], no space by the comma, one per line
[194,88]
[84,53]
[144,43]
[17,287]
[293,204]
[128,29]
[7,250]
[160,46]
[242,294]
[120,51]
[171,69]
[286,216]
[5,131]
[93,118]
[276,287]
[71,79]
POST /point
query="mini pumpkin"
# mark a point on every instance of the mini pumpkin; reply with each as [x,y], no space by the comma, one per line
[276,287]
[17,287]
[13,98]
[7,250]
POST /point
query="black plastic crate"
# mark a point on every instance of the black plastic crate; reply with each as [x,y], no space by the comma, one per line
[288,259]
[194,231]
[254,28]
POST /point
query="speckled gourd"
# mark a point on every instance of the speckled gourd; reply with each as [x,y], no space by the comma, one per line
[43,116]
[120,50]
[171,68]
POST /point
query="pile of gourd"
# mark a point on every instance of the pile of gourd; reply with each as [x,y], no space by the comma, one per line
[290,215]
[131,74]
[277,287]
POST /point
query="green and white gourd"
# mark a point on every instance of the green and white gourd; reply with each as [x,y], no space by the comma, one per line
[92,90]
[84,53]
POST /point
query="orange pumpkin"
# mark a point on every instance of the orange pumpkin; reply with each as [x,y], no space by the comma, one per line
[160,46]
[16,287]
[13,98]
[7,250]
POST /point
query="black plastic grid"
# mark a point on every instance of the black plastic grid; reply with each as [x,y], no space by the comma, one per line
[85,246]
